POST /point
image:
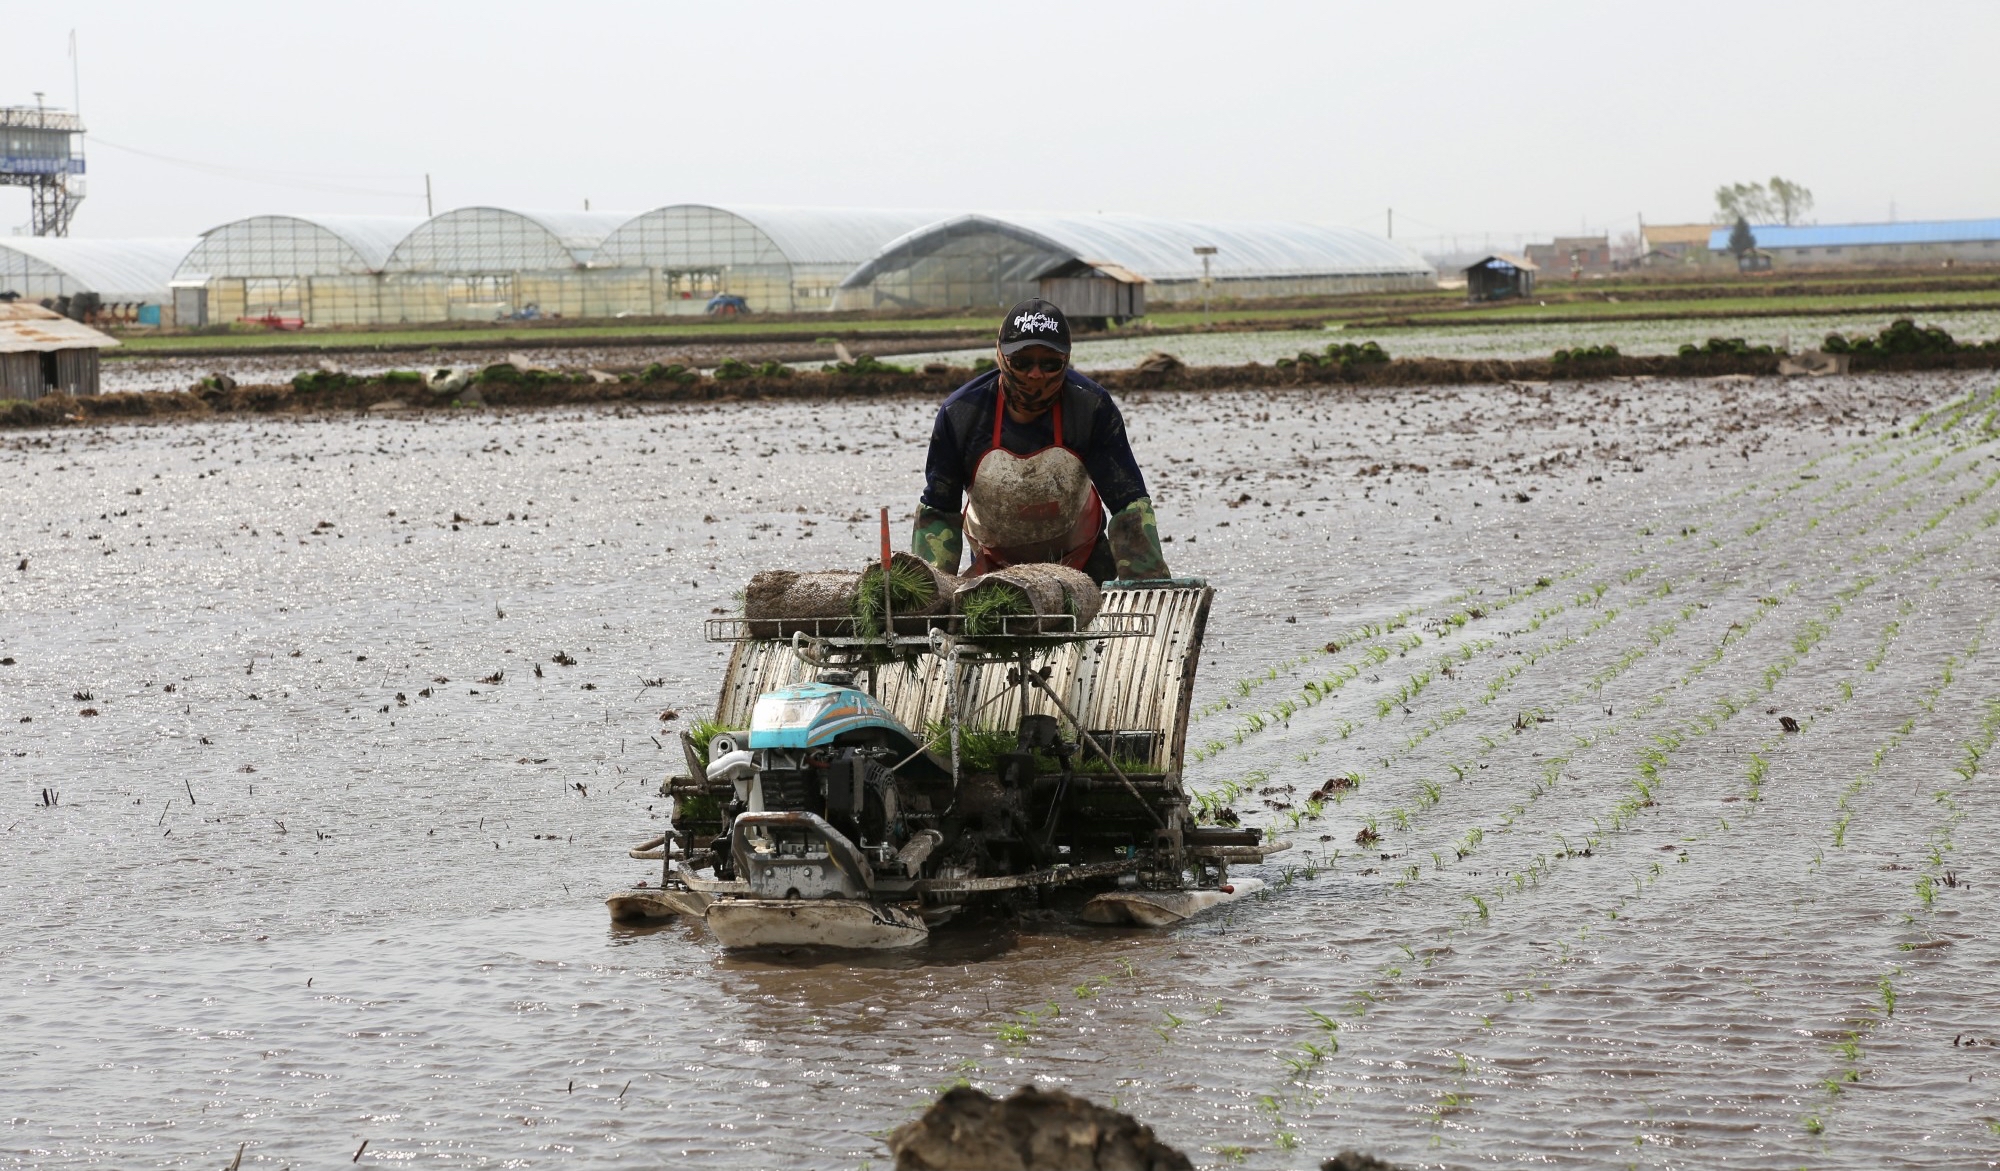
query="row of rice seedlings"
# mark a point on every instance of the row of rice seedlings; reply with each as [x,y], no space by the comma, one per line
[1848,1050]
[1317,690]
[1844,807]
[1808,638]
[1671,741]
[1403,818]
[1468,843]
[1356,637]
[1643,787]
[1525,720]
[1950,415]
[1643,881]
[1542,864]
[1641,795]
[1429,794]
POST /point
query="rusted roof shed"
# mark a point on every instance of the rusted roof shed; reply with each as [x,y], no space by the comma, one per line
[43,352]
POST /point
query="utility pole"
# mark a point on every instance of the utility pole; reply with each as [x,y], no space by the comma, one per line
[1392,223]
[428,213]
[1205,251]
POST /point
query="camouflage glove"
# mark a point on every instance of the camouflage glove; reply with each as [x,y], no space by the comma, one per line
[1135,542]
[937,537]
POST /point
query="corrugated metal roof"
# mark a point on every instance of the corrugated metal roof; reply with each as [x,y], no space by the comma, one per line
[28,328]
[1506,258]
[1658,234]
[1861,235]
[116,270]
[1116,272]
[680,235]
[1159,249]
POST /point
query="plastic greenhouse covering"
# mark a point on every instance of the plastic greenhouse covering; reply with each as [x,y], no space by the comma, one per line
[993,261]
[779,259]
[486,263]
[41,267]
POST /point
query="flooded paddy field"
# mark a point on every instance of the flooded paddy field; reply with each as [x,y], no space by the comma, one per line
[1497,340]
[168,372]
[322,739]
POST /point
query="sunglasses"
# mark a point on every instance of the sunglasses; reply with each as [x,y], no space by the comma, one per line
[1023,364]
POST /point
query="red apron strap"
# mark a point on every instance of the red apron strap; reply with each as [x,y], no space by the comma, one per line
[1000,407]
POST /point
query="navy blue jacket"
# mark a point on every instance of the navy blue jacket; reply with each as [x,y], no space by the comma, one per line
[1092,428]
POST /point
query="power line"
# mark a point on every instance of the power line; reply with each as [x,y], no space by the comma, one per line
[299,180]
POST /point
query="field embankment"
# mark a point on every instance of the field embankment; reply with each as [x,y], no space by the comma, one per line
[506,387]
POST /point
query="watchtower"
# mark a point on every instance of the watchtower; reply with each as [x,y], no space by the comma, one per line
[42,149]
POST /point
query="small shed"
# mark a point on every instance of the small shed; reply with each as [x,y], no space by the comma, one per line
[1094,293]
[43,352]
[1499,277]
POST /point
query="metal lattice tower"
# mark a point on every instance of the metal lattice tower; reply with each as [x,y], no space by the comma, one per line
[41,149]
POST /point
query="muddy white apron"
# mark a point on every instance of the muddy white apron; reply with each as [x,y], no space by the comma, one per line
[1034,508]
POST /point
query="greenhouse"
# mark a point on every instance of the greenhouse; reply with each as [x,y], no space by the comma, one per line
[324,270]
[990,261]
[480,263]
[778,259]
[121,272]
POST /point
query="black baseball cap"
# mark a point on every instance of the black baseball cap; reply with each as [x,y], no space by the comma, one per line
[1034,322]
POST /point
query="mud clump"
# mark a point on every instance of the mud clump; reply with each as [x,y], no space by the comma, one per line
[1356,1161]
[1042,1130]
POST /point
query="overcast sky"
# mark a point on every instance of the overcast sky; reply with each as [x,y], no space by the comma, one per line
[1468,119]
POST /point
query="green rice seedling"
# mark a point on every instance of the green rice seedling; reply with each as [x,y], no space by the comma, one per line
[979,749]
[911,588]
[703,731]
[985,609]
[1759,767]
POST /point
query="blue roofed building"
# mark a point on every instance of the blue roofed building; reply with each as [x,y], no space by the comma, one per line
[1929,243]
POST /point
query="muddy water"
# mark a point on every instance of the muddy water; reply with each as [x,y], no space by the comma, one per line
[325,867]
[1218,349]
[1495,341]
[165,371]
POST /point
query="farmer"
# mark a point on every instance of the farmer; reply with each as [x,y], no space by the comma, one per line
[1037,454]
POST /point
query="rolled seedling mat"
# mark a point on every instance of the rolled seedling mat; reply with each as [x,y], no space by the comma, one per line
[921,594]
[1027,589]
[782,602]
